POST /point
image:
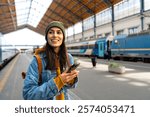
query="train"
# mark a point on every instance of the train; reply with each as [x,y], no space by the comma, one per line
[7,54]
[135,47]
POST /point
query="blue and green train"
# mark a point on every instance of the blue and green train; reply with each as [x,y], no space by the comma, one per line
[126,47]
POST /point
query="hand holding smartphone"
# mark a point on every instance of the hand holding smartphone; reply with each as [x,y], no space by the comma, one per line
[73,67]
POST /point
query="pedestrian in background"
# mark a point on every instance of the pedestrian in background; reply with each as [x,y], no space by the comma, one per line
[94,60]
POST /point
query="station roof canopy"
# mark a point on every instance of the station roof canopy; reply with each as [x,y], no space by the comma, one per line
[36,14]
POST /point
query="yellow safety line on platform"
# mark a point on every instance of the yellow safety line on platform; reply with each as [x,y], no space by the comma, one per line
[6,76]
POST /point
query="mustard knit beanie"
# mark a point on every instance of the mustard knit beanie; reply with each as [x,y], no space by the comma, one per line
[55,24]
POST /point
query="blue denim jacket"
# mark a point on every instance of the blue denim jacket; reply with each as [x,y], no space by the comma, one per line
[48,89]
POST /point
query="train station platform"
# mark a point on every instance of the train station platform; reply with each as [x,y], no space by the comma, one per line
[94,83]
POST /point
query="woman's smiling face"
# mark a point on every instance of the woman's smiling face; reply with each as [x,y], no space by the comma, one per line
[55,37]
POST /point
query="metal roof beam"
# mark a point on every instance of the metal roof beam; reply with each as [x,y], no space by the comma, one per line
[96,4]
[108,2]
[62,17]
[29,10]
[52,19]
[80,18]
[6,25]
[12,15]
[68,10]
[88,9]
[8,13]
[5,21]
[7,4]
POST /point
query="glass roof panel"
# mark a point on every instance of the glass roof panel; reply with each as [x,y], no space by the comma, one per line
[31,11]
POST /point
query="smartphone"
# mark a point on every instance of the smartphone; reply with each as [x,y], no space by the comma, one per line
[73,67]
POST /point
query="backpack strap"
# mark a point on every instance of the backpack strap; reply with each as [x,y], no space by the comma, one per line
[37,56]
[68,60]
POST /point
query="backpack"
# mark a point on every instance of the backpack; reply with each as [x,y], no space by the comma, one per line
[37,56]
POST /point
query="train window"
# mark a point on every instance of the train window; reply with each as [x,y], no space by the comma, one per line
[91,46]
[82,47]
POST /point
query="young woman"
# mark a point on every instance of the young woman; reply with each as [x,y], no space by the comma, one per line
[54,57]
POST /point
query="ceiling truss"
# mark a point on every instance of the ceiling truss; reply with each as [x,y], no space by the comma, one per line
[69,12]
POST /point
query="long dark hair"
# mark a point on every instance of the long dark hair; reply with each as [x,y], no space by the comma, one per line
[51,56]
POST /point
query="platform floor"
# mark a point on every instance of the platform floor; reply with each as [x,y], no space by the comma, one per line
[94,83]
